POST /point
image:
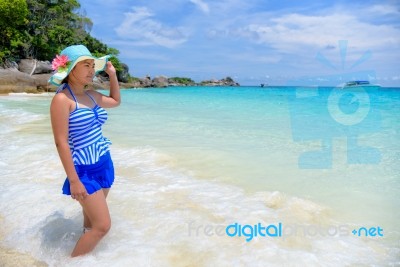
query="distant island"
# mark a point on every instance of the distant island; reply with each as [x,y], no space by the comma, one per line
[31,76]
[163,81]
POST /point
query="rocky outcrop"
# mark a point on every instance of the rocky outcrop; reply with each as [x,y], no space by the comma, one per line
[12,80]
[33,66]
[32,76]
[144,82]
[228,81]
[123,76]
[160,81]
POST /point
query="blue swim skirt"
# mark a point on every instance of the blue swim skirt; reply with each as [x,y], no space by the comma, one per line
[94,176]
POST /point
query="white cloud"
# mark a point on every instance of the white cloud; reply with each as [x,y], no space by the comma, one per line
[298,33]
[384,10]
[139,26]
[201,5]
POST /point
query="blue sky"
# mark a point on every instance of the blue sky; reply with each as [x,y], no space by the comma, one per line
[253,41]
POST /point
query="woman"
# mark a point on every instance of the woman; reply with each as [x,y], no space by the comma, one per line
[77,115]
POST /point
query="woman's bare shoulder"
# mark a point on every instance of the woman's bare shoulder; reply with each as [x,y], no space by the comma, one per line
[61,101]
[60,97]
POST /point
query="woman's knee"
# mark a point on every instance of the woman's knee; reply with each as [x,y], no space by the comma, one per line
[97,212]
[103,227]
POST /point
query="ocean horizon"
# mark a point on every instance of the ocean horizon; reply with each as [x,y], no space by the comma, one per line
[215,176]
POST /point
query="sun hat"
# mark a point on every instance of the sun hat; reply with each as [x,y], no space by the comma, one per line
[63,64]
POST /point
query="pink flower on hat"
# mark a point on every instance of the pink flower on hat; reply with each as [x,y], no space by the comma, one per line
[60,62]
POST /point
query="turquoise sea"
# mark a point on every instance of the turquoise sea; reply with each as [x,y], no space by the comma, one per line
[317,166]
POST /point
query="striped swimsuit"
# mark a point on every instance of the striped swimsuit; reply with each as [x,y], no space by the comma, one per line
[89,149]
[85,138]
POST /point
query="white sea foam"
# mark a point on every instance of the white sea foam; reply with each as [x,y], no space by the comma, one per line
[159,219]
[16,118]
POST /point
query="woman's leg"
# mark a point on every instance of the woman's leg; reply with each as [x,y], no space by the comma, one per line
[87,225]
[96,210]
[105,191]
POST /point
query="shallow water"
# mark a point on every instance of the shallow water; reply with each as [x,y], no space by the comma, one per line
[191,161]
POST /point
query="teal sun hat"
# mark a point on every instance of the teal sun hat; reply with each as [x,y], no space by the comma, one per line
[63,64]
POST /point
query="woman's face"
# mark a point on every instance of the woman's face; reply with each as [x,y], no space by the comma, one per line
[83,72]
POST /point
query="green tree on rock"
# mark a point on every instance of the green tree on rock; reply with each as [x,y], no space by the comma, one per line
[13,18]
[40,29]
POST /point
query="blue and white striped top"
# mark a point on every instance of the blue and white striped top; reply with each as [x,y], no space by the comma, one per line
[85,138]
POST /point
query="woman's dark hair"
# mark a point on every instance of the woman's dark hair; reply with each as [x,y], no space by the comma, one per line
[65,80]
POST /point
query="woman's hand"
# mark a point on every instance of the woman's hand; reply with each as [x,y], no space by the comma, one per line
[78,190]
[114,99]
[110,70]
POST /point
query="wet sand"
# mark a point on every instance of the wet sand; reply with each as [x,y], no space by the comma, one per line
[13,258]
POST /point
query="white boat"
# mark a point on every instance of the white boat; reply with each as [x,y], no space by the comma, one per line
[352,84]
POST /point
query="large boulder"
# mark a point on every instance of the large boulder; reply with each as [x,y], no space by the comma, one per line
[160,81]
[9,65]
[38,67]
[12,76]
[145,82]
[12,80]
[123,76]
